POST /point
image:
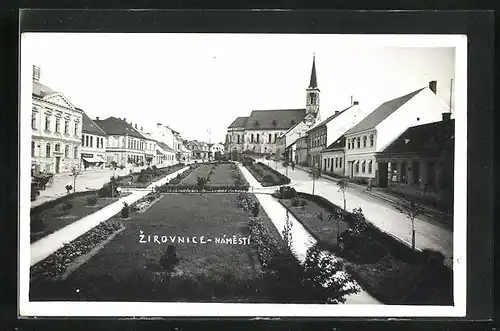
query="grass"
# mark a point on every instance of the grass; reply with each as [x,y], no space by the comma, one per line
[201,171]
[384,272]
[259,171]
[222,175]
[55,219]
[165,171]
[127,270]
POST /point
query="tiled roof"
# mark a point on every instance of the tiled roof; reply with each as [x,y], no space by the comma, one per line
[41,90]
[239,122]
[90,126]
[432,138]
[164,146]
[382,112]
[328,119]
[117,126]
[336,145]
[278,119]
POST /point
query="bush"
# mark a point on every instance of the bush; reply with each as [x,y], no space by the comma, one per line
[287,192]
[268,179]
[144,177]
[92,200]
[255,209]
[66,206]
[125,210]
[68,188]
[169,260]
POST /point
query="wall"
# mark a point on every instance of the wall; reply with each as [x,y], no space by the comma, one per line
[264,145]
[338,166]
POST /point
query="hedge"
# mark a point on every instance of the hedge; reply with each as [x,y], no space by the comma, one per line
[55,202]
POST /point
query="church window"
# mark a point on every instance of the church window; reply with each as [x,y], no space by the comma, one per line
[371,140]
[270,136]
[370,167]
[251,138]
[358,140]
[363,167]
[258,137]
[364,141]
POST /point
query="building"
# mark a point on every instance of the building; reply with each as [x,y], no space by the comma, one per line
[173,140]
[216,149]
[56,129]
[165,156]
[333,157]
[301,151]
[259,133]
[385,124]
[421,157]
[125,145]
[199,150]
[93,150]
[325,133]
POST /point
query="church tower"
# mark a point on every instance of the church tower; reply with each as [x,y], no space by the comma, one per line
[312,96]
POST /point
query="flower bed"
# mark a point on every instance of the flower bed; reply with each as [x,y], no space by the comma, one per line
[58,262]
[145,177]
[145,202]
[266,175]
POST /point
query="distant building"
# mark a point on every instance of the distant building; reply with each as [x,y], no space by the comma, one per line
[333,157]
[125,145]
[385,124]
[199,150]
[94,139]
[165,155]
[259,132]
[421,157]
[56,130]
[216,149]
[301,151]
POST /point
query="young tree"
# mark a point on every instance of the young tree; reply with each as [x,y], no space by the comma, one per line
[75,172]
[412,210]
[342,184]
[200,183]
[314,174]
[285,165]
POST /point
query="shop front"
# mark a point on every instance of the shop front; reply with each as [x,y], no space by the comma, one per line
[93,161]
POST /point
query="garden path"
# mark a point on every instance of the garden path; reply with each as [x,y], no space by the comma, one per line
[301,238]
[44,247]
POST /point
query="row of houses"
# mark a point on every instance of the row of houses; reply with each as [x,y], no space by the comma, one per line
[64,136]
[204,151]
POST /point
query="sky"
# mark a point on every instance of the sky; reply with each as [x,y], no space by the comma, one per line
[199,83]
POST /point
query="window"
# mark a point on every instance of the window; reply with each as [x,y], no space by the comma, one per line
[58,125]
[76,129]
[66,127]
[76,153]
[86,141]
[97,142]
[66,151]
[47,150]
[275,137]
[340,163]
[258,136]
[358,140]
[328,163]
[91,141]
[369,167]
[357,166]
[47,123]
[238,139]
[270,137]
[371,140]
[364,141]
[363,167]
[83,140]
[32,148]
[336,162]
[33,121]
[348,144]
[251,138]
[57,148]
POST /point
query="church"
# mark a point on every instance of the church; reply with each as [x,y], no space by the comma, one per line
[262,132]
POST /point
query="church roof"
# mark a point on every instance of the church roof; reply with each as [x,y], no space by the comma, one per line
[239,122]
[90,126]
[313,82]
[382,112]
[274,119]
[117,126]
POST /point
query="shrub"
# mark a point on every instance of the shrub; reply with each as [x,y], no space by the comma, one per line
[169,260]
[66,206]
[125,210]
[92,200]
[295,202]
[68,188]
[255,209]
[287,192]
[105,191]
[268,179]
[144,177]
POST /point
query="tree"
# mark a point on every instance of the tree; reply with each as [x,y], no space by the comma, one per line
[412,210]
[200,183]
[75,172]
[314,175]
[286,164]
[338,215]
[342,184]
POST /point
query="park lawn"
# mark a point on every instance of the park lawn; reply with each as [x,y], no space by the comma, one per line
[201,171]
[165,171]
[223,175]
[54,219]
[259,171]
[315,219]
[127,270]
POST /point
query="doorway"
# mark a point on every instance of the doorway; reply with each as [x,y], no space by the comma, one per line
[58,164]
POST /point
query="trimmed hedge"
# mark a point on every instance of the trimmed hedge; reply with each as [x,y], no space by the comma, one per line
[55,202]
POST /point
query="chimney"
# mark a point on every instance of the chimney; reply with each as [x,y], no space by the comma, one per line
[158,125]
[97,118]
[355,103]
[336,112]
[142,128]
[125,119]
[433,86]
[136,126]
[446,116]
[36,73]
[352,98]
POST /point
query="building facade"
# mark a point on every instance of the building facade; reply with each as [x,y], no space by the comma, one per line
[385,124]
[333,158]
[217,149]
[56,129]
[93,151]
[301,151]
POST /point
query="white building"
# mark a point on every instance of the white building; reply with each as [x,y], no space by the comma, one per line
[56,128]
[94,139]
[385,124]
[216,149]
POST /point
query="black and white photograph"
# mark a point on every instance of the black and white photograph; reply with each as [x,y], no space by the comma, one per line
[172,174]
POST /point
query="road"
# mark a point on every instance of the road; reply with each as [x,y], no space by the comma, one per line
[428,233]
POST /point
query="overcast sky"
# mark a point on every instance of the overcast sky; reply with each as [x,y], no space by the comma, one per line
[193,82]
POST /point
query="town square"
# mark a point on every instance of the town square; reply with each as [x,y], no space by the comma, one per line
[255,169]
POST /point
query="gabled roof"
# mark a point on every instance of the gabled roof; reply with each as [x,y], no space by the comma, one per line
[274,119]
[328,119]
[117,126]
[41,90]
[432,138]
[90,126]
[164,146]
[382,112]
[239,122]
[336,145]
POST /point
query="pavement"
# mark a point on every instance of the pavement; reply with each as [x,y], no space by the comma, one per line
[302,240]
[44,247]
[429,233]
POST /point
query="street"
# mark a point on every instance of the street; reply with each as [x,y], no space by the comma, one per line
[428,234]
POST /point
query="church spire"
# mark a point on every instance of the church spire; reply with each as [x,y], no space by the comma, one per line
[313,83]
